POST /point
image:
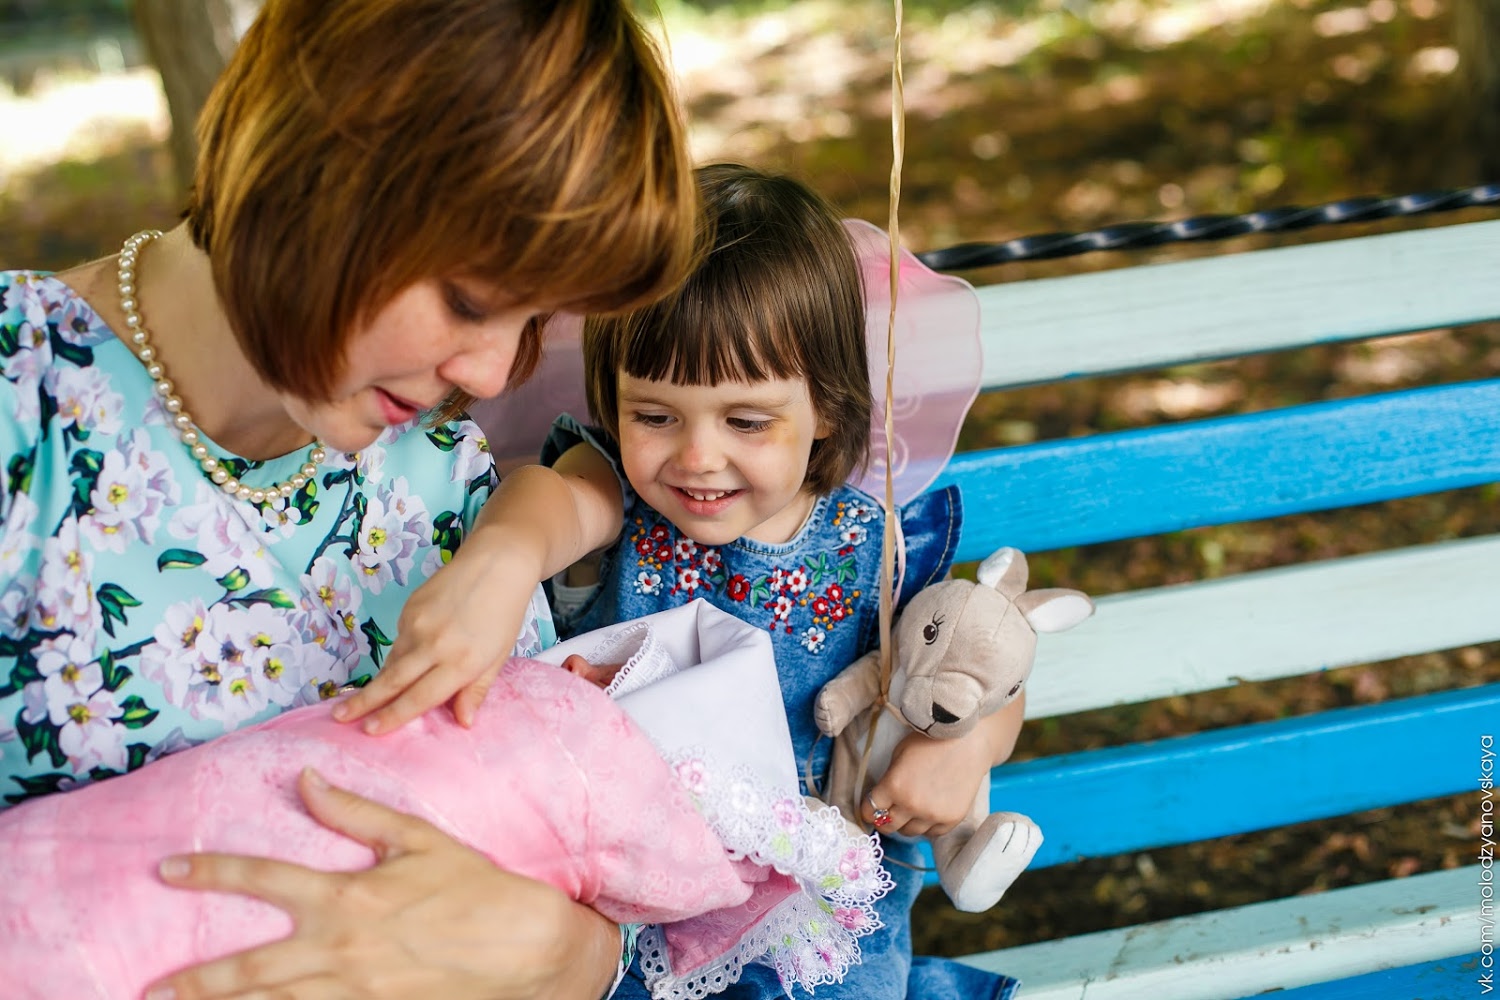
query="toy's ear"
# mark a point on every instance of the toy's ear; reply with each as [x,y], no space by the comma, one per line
[1054,609]
[1005,570]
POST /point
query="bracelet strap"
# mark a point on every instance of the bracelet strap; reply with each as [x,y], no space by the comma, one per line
[629,933]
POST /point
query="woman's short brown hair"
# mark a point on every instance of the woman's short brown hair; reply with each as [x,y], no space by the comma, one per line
[777,295]
[353,147]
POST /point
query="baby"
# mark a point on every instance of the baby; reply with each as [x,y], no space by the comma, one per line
[598,674]
[690,824]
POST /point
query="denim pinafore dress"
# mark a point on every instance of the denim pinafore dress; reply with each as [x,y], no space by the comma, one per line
[817,596]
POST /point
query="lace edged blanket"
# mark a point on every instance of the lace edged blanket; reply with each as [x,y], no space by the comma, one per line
[815,879]
[702,685]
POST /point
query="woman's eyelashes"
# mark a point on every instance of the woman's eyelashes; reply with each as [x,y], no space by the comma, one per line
[750,425]
[462,305]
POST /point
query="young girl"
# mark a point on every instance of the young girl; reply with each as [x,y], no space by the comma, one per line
[733,413]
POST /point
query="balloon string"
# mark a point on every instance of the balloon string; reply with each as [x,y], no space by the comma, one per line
[888,548]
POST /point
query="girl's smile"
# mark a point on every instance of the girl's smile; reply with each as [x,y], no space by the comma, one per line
[707,503]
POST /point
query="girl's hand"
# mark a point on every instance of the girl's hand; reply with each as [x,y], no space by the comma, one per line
[452,638]
[432,918]
[931,784]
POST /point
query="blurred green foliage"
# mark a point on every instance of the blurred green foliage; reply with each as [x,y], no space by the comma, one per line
[59,15]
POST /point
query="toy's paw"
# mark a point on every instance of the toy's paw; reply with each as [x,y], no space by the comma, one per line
[995,857]
[830,716]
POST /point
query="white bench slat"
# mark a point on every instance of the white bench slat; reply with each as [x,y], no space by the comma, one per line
[1265,946]
[1219,307]
[1273,623]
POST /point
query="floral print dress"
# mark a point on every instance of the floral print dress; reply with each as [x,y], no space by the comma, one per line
[141,609]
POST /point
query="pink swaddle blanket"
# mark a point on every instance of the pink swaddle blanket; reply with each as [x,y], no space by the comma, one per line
[555,781]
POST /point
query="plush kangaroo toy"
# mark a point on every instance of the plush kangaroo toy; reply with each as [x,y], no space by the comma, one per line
[961,650]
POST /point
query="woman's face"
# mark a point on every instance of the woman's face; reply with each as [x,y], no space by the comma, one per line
[432,338]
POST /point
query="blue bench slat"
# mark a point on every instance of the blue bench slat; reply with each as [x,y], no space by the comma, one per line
[1145,482]
[1449,978]
[1171,791]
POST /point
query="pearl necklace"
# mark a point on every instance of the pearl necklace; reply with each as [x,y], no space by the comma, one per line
[182,421]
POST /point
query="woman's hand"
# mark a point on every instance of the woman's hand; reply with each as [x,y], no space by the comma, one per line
[432,918]
[931,784]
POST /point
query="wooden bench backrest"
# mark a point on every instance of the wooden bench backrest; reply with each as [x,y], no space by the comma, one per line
[1257,626]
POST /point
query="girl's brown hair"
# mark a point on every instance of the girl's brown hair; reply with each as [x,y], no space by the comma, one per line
[353,147]
[777,295]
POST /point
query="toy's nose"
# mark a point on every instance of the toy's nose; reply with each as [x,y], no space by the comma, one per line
[941,714]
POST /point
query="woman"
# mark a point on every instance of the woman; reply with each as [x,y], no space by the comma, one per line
[217,491]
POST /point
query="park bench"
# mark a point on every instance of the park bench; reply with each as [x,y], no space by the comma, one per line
[1428,935]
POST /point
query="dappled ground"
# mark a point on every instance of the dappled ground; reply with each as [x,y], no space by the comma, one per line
[1025,118]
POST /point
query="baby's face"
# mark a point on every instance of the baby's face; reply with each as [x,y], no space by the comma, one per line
[600,674]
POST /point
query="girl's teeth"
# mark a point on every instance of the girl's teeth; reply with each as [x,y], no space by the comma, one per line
[707,496]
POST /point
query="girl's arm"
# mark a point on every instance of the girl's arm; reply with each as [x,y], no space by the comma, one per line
[457,628]
[931,784]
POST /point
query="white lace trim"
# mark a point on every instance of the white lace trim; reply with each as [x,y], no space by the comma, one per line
[811,938]
[804,943]
[779,829]
[644,659]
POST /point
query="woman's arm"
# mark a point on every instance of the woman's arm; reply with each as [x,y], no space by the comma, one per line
[432,918]
[458,628]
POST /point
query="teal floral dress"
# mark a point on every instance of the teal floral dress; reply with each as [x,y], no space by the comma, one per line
[141,609]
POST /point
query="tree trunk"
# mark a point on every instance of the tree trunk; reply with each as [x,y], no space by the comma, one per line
[1476,26]
[189,41]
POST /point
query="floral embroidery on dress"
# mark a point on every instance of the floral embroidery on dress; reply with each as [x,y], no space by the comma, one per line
[678,564]
[806,599]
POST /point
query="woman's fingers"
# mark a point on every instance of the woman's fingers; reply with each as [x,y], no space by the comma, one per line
[466,703]
[384,830]
[289,968]
[287,886]
[434,918]
[294,888]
